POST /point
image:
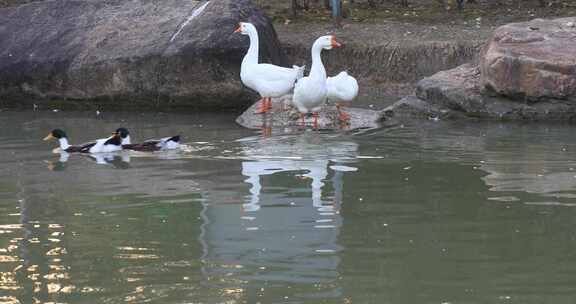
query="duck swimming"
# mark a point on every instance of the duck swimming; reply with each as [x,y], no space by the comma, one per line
[110,144]
[166,143]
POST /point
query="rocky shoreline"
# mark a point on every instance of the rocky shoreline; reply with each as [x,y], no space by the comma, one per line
[123,54]
[526,71]
[180,54]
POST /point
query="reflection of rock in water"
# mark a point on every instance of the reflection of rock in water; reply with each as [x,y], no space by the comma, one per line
[287,229]
[548,184]
[516,158]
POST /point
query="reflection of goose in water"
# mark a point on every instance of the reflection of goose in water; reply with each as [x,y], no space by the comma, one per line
[311,153]
[254,170]
[287,231]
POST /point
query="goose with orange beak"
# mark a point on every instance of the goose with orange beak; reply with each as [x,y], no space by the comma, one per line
[311,91]
[270,81]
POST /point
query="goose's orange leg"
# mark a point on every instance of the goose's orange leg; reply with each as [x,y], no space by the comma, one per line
[269,104]
[315,114]
[342,116]
[262,107]
[266,131]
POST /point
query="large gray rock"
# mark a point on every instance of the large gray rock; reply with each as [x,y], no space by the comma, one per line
[532,59]
[130,52]
[457,93]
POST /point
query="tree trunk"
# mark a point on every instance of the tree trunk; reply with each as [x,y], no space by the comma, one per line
[459,2]
[542,3]
[337,12]
[294,7]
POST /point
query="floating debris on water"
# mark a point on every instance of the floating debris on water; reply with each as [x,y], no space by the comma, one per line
[504,199]
[343,168]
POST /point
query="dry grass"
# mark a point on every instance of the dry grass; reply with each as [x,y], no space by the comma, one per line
[422,11]
[418,11]
[5,3]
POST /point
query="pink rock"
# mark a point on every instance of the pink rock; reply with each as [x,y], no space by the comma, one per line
[532,59]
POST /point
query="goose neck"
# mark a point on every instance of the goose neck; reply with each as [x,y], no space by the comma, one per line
[252,54]
[317,71]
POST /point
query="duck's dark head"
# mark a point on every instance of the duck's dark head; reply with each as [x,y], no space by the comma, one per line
[123,132]
[55,134]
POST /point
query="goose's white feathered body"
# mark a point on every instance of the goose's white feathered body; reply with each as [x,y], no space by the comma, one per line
[267,79]
[342,88]
[310,92]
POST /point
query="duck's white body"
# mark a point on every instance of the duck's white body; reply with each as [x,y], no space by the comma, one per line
[102,147]
[267,79]
[167,143]
[342,88]
[126,140]
[63,142]
[310,92]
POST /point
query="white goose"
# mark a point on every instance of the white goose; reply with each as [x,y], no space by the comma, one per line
[342,88]
[267,79]
[310,92]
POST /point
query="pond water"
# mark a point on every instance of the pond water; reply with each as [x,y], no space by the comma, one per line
[434,212]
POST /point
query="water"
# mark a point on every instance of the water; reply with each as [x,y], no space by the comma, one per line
[435,212]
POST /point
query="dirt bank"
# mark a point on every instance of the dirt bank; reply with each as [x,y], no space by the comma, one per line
[389,48]
[387,58]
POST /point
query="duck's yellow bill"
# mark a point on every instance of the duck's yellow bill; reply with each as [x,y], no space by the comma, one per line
[48,137]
